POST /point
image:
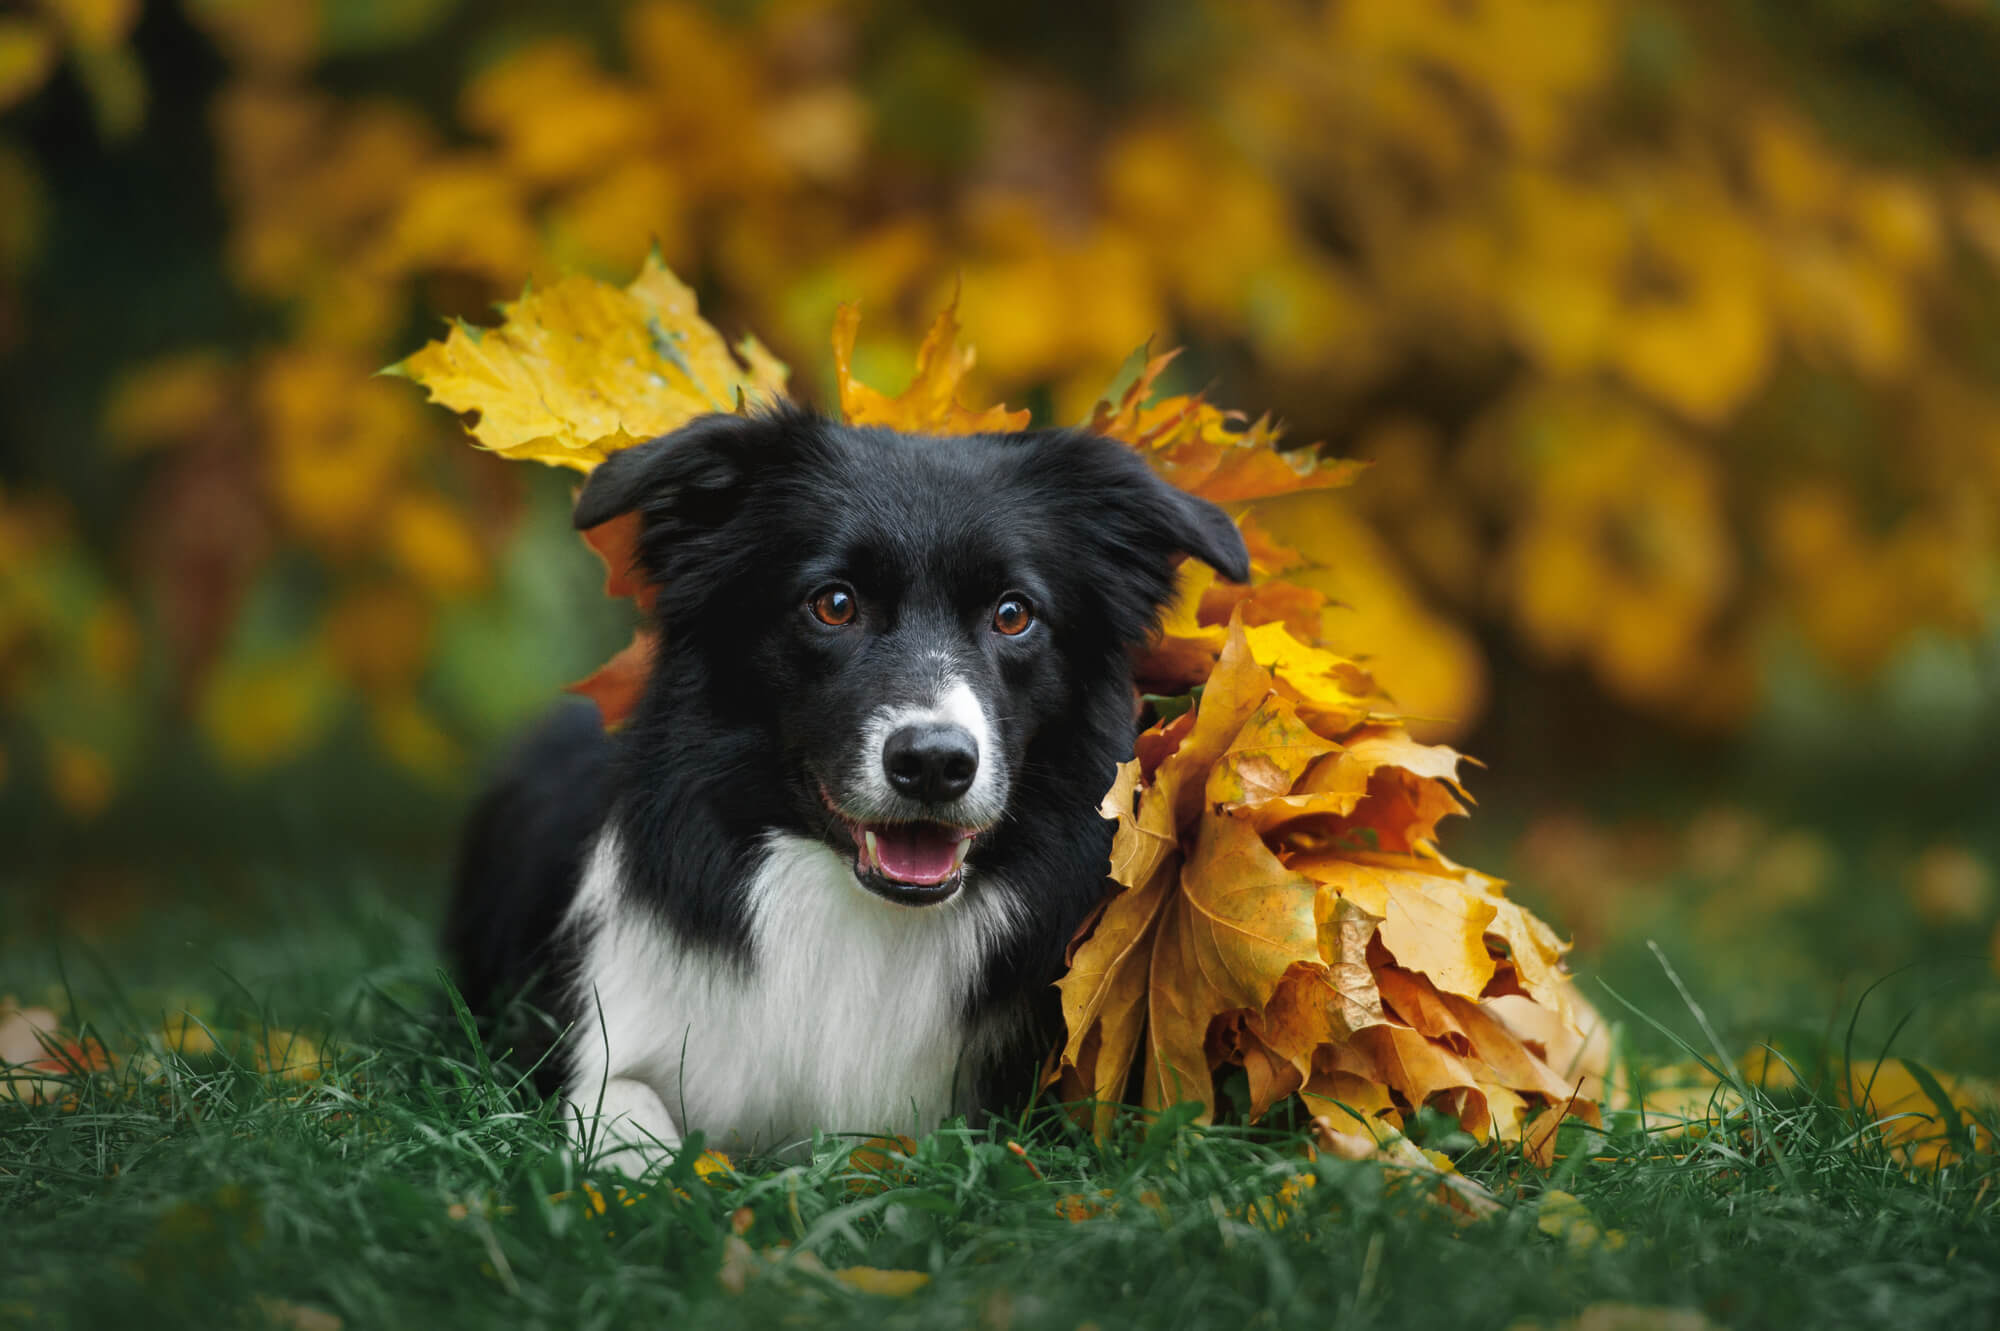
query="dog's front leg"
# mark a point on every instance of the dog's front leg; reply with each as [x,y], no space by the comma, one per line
[627,1127]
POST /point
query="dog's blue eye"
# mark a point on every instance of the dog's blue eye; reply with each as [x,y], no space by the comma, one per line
[1013,615]
[834,606]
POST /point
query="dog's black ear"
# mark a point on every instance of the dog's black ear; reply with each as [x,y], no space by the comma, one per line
[1145,514]
[1204,531]
[689,472]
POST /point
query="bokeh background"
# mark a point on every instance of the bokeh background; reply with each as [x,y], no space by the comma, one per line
[1672,330]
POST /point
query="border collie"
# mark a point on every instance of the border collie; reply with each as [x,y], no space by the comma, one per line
[824,876]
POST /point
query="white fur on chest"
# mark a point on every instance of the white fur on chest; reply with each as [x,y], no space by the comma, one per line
[849,1016]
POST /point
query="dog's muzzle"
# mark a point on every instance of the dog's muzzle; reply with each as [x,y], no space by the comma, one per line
[908,858]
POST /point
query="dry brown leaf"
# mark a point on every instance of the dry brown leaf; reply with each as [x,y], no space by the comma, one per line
[1240,921]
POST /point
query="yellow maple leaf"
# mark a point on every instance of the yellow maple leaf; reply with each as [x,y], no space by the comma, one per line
[1429,923]
[28,51]
[583,369]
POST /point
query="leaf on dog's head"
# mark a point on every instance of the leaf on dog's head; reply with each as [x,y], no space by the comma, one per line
[930,404]
[581,369]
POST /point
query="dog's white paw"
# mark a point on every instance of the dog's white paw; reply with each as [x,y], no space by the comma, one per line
[627,1128]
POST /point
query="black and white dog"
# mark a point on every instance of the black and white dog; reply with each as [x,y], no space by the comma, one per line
[824,876]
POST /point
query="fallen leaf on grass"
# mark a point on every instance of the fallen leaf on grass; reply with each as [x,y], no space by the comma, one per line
[1622,1317]
[1401,1155]
[186,1035]
[596,1202]
[26,1034]
[875,1280]
[880,1163]
[1927,1119]
[39,1064]
[1278,1209]
[289,1055]
[742,1264]
[289,1316]
[1563,1215]
[1076,1207]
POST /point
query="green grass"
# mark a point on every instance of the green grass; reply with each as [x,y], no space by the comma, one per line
[412,1184]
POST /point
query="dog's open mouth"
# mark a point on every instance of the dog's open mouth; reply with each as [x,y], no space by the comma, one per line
[907,862]
[911,862]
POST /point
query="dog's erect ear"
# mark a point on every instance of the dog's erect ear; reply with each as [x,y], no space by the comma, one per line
[689,472]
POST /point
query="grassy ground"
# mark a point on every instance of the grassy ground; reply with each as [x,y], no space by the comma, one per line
[410,1184]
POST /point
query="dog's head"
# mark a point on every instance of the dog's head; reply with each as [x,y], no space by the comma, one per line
[923,634]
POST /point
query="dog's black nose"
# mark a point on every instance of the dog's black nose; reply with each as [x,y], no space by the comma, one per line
[932,763]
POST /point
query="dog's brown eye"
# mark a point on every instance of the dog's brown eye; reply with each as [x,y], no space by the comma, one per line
[1013,615]
[834,605]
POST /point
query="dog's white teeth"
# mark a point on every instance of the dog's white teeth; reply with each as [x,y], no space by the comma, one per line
[874,853]
[958,853]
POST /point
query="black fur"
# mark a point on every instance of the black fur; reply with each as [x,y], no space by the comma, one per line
[752,701]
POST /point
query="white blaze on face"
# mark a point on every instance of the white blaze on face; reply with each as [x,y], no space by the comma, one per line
[954,703]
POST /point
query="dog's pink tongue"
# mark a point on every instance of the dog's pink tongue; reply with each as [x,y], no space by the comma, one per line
[917,852]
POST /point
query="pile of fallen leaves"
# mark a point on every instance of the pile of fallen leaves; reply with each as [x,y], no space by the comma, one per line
[1281,904]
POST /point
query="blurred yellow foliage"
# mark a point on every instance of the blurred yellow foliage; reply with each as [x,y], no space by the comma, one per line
[80,778]
[1658,369]
[169,401]
[260,713]
[92,34]
[1949,885]
[338,441]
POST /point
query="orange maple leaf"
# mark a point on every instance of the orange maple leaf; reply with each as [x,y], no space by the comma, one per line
[1205,450]
[617,543]
[930,404]
[617,685]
